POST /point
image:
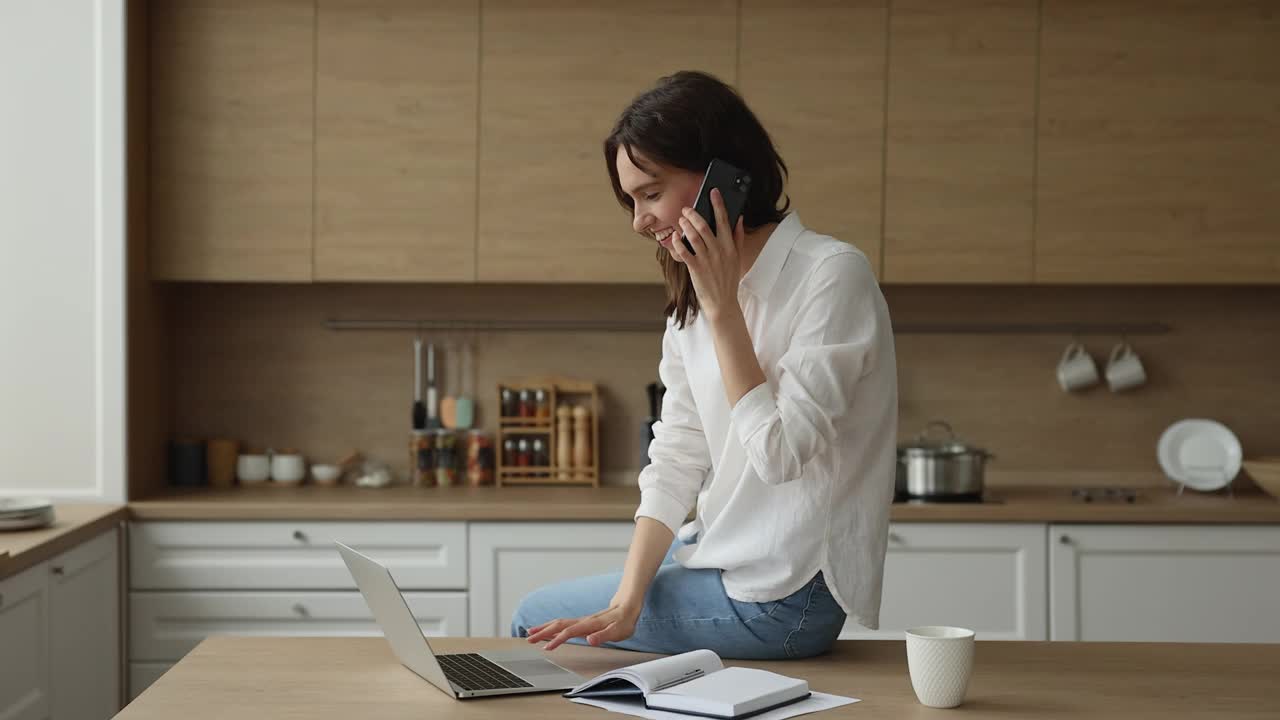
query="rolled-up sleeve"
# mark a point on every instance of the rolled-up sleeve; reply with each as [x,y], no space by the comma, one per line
[679,459]
[784,428]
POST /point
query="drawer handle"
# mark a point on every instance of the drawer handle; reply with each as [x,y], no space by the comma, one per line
[299,536]
[895,538]
[56,570]
[300,609]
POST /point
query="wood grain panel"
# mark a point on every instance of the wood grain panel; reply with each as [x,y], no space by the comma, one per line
[255,362]
[554,77]
[396,90]
[148,382]
[231,139]
[961,141]
[1159,139]
[814,74]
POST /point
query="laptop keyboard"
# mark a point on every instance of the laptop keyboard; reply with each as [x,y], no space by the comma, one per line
[473,672]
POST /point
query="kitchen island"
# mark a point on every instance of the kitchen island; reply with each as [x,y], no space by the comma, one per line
[319,678]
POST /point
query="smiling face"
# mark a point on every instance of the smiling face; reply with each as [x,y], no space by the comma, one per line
[658,193]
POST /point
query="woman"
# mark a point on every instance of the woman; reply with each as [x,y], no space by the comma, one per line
[779,419]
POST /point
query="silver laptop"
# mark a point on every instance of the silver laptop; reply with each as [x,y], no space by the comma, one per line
[461,675]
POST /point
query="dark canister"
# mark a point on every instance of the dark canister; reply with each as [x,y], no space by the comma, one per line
[186,462]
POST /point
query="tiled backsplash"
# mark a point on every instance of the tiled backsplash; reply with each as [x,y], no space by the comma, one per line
[256,362]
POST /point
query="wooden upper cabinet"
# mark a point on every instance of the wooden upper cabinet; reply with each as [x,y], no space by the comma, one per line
[814,75]
[961,141]
[231,139]
[396,93]
[1157,138]
[554,77]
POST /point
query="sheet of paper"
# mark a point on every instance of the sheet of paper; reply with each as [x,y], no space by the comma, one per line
[635,706]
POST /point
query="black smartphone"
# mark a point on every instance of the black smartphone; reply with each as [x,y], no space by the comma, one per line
[733,184]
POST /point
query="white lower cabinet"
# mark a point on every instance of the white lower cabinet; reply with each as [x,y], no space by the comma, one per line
[190,580]
[84,630]
[988,577]
[1193,583]
[1007,581]
[991,577]
[511,559]
[60,636]
[296,555]
[164,626]
[24,645]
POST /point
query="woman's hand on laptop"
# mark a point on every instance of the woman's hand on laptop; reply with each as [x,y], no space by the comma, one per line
[613,624]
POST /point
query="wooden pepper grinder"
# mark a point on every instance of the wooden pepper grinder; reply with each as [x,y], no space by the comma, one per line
[564,440]
[581,437]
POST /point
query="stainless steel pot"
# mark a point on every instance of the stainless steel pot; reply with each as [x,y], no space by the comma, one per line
[947,469]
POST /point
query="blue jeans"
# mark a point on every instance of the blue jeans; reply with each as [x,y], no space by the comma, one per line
[689,610]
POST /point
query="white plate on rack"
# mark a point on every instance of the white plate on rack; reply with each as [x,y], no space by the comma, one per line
[1201,454]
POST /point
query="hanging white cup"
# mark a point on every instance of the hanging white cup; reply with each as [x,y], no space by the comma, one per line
[1124,368]
[1076,369]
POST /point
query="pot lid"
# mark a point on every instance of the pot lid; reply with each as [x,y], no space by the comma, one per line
[950,446]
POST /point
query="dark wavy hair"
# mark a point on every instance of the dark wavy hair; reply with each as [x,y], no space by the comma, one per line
[685,121]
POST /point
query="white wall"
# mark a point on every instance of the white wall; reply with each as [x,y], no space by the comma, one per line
[62,419]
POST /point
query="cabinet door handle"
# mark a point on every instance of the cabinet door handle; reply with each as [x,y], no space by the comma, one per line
[299,536]
[895,538]
[56,570]
[1064,539]
[300,609]
[1,600]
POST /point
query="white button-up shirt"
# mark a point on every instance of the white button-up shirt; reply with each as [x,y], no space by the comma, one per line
[798,476]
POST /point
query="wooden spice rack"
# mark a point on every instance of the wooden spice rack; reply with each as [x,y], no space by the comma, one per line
[560,391]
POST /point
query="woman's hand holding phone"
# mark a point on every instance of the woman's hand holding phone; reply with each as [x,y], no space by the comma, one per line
[714,265]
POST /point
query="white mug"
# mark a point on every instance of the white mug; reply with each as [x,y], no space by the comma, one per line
[1124,369]
[253,468]
[288,468]
[940,660]
[1076,369]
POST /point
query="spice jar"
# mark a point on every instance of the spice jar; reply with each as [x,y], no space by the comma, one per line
[446,458]
[509,452]
[510,407]
[540,457]
[542,405]
[526,404]
[422,462]
[479,458]
[523,458]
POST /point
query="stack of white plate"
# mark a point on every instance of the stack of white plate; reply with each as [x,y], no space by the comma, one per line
[23,513]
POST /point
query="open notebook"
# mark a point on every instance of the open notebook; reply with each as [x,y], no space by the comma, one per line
[697,683]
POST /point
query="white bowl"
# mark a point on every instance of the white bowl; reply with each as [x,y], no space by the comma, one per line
[326,474]
[253,468]
[288,468]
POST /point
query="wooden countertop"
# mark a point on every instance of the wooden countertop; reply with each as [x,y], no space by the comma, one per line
[320,678]
[1008,503]
[73,524]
